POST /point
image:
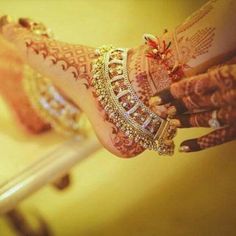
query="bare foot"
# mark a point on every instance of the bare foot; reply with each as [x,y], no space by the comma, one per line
[69,67]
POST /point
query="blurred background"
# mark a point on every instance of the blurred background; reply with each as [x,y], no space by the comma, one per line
[188,194]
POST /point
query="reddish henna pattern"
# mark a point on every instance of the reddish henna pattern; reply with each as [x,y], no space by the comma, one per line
[190,47]
[195,102]
[144,87]
[124,145]
[195,17]
[160,53]
[224,77]
[200,119]
[138,66]
[158,75]
[221,78]
[217,137]
[148,76]
[185,49]
[75,58]
[225,116]
[213,89]
[72,58]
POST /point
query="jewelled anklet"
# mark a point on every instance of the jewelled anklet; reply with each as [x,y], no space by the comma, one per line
[63,115]
[124,108]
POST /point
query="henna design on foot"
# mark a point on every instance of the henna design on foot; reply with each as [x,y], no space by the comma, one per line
[127,147]
[72,58]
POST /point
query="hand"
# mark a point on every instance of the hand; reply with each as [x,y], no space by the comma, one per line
[69,67]
[205,100]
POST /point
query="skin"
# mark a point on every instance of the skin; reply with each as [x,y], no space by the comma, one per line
[11,89]
[201,41]
[194,99]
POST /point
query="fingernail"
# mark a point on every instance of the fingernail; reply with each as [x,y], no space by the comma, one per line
[25,22]
[171,111]
[147,37]
[158,100]
[184,149]
[155,100]
[175,122]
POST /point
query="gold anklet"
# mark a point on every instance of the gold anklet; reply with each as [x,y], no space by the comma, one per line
[123,107]
[64,116]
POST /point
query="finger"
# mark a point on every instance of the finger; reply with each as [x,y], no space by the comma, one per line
[212,139]
[221,78]
[159,110]
[223,116]
[196,102]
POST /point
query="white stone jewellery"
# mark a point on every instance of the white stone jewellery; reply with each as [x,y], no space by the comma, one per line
[124,108]
[62,114]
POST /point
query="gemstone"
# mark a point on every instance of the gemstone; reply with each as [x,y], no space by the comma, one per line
[152,129]
[214,123]
[155,51]
[123,128]
[145,145]
[100,97]
[131,136]
[118,124]
[155,148]
[112,115]
[107,107]
[141,142]
[150,146]
[136,139]
[111,70]
[97,52]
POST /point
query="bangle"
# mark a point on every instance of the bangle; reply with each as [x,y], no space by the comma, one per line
[124,108]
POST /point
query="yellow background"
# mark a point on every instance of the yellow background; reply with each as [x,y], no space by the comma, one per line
[188,194]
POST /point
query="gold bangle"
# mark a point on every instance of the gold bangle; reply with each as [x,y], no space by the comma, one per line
[124,108]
